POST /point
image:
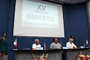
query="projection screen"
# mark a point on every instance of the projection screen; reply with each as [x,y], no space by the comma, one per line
[35,18]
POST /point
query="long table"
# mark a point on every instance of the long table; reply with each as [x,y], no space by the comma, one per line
[70,54]
[53,54]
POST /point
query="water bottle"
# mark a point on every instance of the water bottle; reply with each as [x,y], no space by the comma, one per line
[87,43]
[44,46]
[84,45]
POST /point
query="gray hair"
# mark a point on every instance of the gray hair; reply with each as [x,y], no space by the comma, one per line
[70,39]
[36,40]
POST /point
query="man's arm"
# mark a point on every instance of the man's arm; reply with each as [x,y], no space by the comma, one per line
[51,46]
[33,47]
[74,46]
[61,46]
[67,45]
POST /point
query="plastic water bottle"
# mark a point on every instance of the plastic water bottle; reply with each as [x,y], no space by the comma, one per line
[44,46]
[84,45]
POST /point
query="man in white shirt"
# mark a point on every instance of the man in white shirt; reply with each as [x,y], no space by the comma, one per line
[70,44]
[36,44]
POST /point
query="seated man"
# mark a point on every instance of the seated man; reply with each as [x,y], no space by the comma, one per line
[55,44]
[36,44]
[70,44]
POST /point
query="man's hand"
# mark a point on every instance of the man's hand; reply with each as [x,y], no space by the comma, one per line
[33,48]
[74,47]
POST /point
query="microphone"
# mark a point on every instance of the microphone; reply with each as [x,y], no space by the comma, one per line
[39,43]
[62,44]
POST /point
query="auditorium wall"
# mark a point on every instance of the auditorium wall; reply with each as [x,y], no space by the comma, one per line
[75,22]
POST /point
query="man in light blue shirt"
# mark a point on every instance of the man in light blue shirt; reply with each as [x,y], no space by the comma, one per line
[55,44]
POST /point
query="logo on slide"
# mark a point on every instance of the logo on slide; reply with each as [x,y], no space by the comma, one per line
[41,7]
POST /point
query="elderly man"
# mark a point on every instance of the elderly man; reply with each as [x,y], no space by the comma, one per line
[70,44]
[36,44]
[55,44]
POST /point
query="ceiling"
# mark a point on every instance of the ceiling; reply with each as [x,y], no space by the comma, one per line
[66,1]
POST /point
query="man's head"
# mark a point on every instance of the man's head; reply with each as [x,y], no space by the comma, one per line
[55,40]
[36,41]
[70,40]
